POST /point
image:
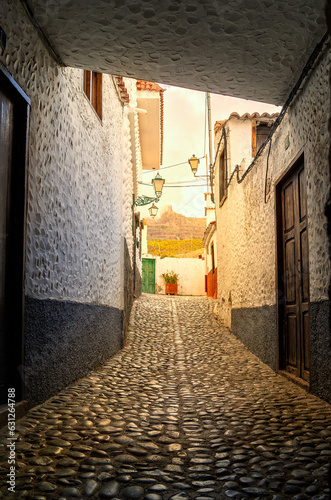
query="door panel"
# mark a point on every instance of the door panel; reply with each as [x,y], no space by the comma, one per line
[290,273]
[304,266]
[288,207]
[302,195]
[6,133]
[148,280]
[294,276]
[291,336]
[14,115]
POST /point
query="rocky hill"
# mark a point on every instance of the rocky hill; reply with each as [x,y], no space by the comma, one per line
[173,226]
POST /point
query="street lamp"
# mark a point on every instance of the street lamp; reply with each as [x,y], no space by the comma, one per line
[194,162]
[153,210]
[146,200]
[158,185]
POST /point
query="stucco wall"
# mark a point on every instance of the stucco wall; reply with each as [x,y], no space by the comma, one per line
[78,209]
[247,235]
[191,275]
[207,253]
[75,181]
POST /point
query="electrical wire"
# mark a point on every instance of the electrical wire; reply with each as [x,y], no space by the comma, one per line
[172,183]
[277,122]
[189,201]
[293,93]
[175,186]
[169,166]
[266,174]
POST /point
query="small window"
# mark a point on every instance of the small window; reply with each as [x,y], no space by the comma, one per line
[222,178]
[212,257]
[92,86]
[260,133]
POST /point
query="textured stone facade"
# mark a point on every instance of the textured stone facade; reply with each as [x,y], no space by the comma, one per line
[254,50]
[247,256]
[79,214]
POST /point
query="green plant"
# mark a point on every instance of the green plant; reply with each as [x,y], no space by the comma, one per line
[170,277]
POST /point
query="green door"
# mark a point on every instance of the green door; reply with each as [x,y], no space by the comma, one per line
[148,282]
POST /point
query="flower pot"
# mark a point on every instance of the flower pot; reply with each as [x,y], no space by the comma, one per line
[171,288]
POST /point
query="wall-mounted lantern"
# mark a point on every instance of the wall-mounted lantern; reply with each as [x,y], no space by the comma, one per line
[158,185]
[194,162]
[146,200]
[153,210]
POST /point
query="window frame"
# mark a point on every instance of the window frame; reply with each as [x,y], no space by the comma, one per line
[212,253]
[222,176]
[255,127]
[92,88]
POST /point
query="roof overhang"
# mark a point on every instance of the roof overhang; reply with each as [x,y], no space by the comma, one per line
[150,100]
[254,49]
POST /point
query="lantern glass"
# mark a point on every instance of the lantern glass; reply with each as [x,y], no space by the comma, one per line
[194,162]
[158,184]
[153,210]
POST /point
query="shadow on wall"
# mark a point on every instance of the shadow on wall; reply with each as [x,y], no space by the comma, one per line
[64,341]
[132,287]
[128,289]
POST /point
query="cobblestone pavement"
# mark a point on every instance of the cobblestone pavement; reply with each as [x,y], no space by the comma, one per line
[184,411]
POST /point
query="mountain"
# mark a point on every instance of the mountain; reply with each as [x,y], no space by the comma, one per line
[173,226]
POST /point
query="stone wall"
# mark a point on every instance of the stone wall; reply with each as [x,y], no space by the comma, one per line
[78,211]
[246,238]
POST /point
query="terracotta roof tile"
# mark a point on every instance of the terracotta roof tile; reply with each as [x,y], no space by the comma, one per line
[246,116]
[122,90]
[144,85]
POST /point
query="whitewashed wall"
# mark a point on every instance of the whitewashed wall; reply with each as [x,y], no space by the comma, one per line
[191,275]
[246,235]
[78,287]
[75,175]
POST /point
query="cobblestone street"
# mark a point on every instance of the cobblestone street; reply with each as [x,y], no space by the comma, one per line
[184,411]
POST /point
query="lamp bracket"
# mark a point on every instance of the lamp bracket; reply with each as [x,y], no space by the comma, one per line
[145,200]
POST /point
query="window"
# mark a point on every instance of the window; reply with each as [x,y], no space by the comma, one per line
[212,257]
[92,86]
[260,133]
[222,177]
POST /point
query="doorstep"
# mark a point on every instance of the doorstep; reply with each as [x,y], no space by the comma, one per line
[296,380]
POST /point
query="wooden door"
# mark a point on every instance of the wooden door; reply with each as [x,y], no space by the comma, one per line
[6,137]
[148,279]
[294,276]
[14,109]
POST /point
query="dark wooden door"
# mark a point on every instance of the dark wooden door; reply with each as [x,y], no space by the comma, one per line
[14,112]
[6,136]
[294,278]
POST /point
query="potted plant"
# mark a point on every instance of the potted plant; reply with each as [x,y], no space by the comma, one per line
[171,279]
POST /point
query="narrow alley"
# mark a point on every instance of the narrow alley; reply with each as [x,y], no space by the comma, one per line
[184,411]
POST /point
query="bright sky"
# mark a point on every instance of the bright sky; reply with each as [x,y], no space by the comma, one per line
[184,135]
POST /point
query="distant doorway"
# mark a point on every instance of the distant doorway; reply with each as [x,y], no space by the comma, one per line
[14,113]
[293,274]
[148,279]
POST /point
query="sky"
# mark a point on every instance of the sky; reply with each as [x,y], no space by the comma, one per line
[184,135]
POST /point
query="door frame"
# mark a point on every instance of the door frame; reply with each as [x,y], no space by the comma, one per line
[17,207]
[280,181]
